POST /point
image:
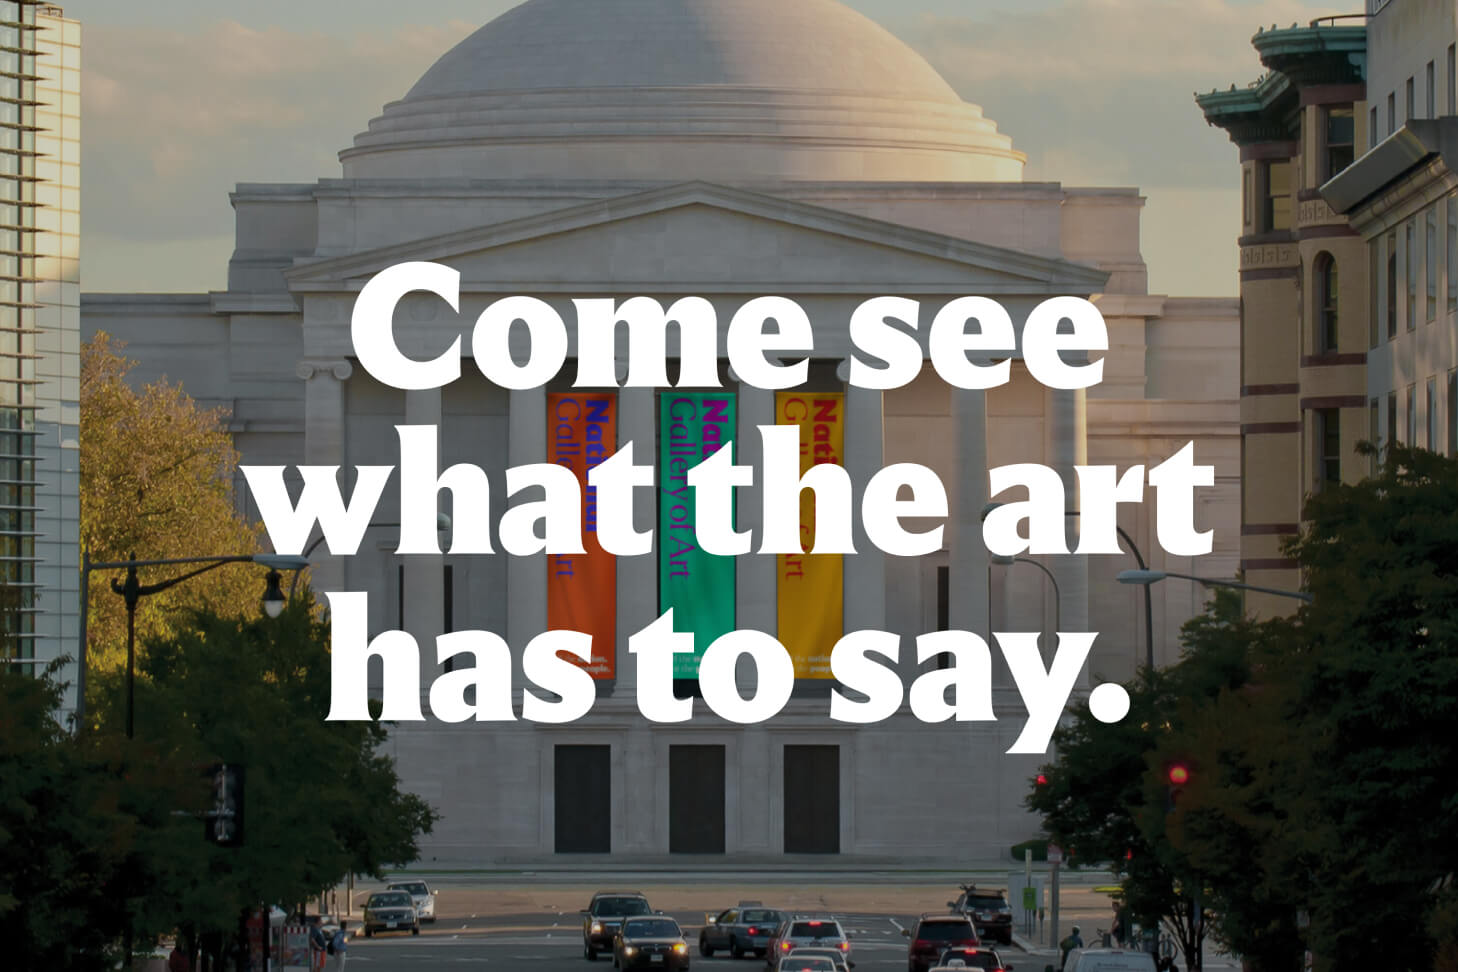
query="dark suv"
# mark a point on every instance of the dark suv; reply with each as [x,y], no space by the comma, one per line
[988,910]
[604,916]
[935,933]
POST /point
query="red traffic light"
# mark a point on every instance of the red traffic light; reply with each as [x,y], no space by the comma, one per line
[1179,774]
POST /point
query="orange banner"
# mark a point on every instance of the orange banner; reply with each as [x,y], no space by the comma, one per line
[582,589]
[811,589]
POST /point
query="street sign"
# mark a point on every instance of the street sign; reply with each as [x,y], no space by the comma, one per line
[1030,899]
[1055,854]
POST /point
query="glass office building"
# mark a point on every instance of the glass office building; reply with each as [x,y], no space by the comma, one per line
[39,327]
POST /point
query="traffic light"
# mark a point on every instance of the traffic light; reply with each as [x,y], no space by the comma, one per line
[223,822]
[1176,776]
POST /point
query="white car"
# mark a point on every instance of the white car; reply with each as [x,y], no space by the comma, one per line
[1109,960]
[420,895]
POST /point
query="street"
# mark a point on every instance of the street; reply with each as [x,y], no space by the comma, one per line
[532,921]
[554,942]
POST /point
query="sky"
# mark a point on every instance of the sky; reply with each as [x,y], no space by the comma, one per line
[183,99]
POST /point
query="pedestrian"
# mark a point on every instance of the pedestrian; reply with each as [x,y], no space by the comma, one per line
[1120,929]
[1073,941]
[178,961]
[318,943]
[340,945]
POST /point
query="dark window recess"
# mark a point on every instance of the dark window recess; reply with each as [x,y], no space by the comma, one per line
[1391,286]
[1327,292]
[1329,448]
[696,799]
[582,802]
[1452,404]
[1391,419]
[812,800]
[1341,139]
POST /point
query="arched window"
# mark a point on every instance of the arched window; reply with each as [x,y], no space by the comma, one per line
[1326,303]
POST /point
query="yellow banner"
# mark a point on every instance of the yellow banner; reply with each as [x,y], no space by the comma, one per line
[811,589]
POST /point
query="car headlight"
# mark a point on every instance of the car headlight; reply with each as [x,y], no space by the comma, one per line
[680,948]
[629,950]
[596,927]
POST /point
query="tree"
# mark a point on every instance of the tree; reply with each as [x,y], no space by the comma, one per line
[1108,793]
[1371,699]
[321,800]
[156,481]
[69,828]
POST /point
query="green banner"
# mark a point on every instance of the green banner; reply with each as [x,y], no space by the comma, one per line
[699,587]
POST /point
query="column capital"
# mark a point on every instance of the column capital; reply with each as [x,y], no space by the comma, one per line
[337,368]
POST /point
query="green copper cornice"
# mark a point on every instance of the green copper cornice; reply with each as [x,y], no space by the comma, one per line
[1298,57]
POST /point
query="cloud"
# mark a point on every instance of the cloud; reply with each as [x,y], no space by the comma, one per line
[1101,91]
[174,119]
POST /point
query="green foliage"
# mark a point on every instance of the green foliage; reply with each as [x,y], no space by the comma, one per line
[321,800]
[1372,699]
[156,481]
[1323,749]
[68,829]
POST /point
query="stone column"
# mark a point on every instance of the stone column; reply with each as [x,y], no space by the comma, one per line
[637,576]
[324,437]
[968,556]
[424,594]
[1067,446]
[526,577]
[864,573]
[754,575]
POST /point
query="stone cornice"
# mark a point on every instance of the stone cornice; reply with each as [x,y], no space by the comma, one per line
[1026,273]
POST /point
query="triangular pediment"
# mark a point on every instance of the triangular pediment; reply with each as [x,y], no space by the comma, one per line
[698,237]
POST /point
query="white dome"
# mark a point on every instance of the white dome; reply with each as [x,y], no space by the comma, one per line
[726,90]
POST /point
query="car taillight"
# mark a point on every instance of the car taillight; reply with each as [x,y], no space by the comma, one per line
[845,946]
[754,931]
[786,946]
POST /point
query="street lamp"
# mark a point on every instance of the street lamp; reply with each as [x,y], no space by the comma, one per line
[442,525]
[1138,559]
[132,591]
[1148,577]
[1006,561]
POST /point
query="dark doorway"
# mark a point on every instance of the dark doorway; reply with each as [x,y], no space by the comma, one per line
[696,799]
[583,812]
[812,799]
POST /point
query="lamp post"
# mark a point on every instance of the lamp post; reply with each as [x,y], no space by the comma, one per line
[132,591]
[1149,577]
[1138,559]
[1007,561]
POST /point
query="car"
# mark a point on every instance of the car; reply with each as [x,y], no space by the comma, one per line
[800,931]
[972,957]
[989,911]
[1109,960]
[602,918]
[421,894]
[795,962]
[933,934]
[650,942]
[836,956]
[390,911]
[741,930]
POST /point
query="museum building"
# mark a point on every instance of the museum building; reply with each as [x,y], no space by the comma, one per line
[574,149]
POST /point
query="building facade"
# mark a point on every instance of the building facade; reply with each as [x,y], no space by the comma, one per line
[40,333]
[1401,195]
[726,151]
[1303,286]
